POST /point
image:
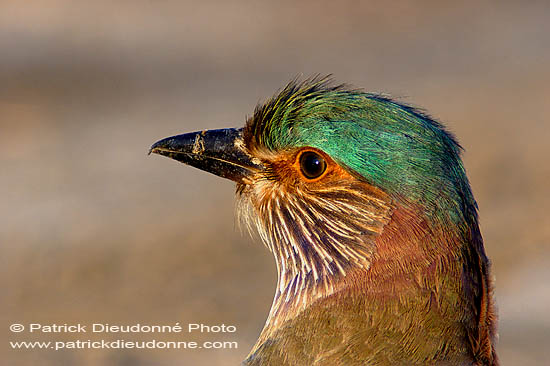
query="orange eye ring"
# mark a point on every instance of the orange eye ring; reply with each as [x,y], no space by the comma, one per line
[312,164]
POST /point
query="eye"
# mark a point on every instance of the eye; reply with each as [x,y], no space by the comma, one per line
[312,164]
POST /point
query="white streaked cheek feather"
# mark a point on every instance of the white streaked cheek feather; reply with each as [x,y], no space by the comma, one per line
[313,250]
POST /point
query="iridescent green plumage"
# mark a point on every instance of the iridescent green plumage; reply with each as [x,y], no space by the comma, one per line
[380,260]
[391,145]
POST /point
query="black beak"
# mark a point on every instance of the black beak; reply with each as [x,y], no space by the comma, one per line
[220,152]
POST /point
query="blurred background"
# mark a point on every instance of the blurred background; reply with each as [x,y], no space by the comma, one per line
[92,230]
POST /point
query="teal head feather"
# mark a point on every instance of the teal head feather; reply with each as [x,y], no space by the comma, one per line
[391,145]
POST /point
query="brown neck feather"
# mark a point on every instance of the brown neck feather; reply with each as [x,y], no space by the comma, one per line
[412,260]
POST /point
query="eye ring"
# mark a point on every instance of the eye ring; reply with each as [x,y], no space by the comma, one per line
[312,164]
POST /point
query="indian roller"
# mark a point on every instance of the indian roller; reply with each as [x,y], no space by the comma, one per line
[365,204]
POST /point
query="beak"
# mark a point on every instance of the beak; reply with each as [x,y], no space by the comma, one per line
[220,152]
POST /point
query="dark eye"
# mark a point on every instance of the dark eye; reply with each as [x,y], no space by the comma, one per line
[312,164]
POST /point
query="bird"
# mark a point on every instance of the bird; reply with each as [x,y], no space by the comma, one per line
[365,205]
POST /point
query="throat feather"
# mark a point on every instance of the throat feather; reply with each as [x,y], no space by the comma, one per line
[316,237]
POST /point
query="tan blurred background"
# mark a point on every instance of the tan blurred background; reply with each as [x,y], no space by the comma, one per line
[94,230]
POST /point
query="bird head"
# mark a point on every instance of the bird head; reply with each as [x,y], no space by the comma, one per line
[320,169]
[356,193]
